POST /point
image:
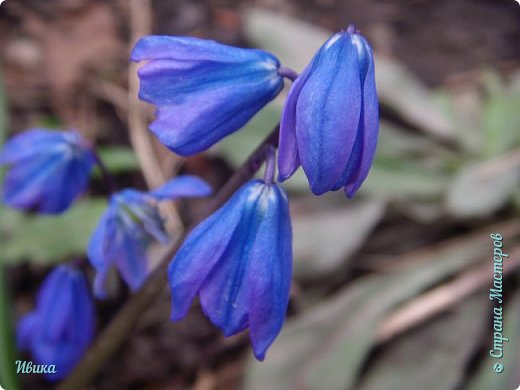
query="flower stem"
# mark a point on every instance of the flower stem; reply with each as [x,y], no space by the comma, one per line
[288,73]
[114,335]
[269,164]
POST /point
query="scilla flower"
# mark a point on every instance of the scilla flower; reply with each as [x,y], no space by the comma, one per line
[47,169]
[203,90]
[59,330]
[330,120]
[239,262]
[127,227]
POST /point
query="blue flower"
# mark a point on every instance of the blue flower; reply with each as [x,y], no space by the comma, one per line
[330,120]
[203,90]
[128,226]
[239,262]
[61,327]
[48,169]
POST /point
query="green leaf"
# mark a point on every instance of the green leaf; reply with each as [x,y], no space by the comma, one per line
[119,159]
[401,178]
[326,346]
[323,241]
[500,117]
[482,188]
[48,239]
[433,356]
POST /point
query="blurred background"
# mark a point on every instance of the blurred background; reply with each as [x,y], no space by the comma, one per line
[390,290]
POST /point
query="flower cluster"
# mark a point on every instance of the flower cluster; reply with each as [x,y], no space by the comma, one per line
[127,227]
[239,262]
[48,170]
[239,259]
[61,327]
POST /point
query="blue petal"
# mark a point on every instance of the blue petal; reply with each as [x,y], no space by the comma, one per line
[26,329]
[204,90]
[202,251]
[370,125]
[130,259]
[25,183]
[55,302]
[223,295]
[103,235]
[193,49]
[203,119]
[269,273]
[119,241]
[49,169]
[166,82]
[82,312]
[62,324]
[328,113]
[288,158]
[71,178]
[150,223]
[182,186]
[30,143]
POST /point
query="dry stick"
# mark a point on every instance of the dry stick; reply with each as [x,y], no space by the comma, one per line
[125,321]
[441,298]
[140,23]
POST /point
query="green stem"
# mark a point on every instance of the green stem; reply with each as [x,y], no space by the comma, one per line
[8,377]
[113,336]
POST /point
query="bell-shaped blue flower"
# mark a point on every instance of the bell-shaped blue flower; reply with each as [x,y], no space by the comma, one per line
[61,327]
[203,90]
[129,225]
[239,262]
[330,119]
[47,170]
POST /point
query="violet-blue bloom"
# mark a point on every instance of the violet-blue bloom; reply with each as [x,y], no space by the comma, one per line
[203,90]
[60,328]
[330,120]
[129,225]
[239,262]
[47,169]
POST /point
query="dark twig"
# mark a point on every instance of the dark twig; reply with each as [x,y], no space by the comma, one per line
[113,336]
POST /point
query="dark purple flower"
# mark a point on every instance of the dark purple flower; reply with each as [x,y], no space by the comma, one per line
[47,169]
[239,262]
[203,90]
[129,225]
[58,331]
[330,120]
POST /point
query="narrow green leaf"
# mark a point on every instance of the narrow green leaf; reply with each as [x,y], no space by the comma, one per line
[48,239]
[8,378]
[500,117]
[119,159]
